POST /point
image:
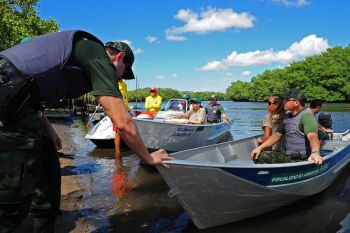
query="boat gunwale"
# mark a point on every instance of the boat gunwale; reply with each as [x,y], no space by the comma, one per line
[187,125]
[253,165]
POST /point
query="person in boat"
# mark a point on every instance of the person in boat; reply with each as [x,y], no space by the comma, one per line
[39,72]
[196,115]
[153,102]
[183,103]
[215,112]
[273,119]
[299,128]
[315,108]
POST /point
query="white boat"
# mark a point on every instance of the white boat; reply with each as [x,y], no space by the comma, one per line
[158,132]
[176,137]
[219,184]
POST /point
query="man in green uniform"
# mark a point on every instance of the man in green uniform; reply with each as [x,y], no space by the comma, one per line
[300,131]
[46,69]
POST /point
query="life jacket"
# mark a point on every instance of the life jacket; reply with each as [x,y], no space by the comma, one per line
[44,58]
[296,140]
[213,113]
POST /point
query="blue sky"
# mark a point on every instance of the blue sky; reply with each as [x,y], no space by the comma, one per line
[204,45]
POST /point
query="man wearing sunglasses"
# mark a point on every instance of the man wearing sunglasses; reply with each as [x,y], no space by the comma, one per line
[37,73]
[300,130]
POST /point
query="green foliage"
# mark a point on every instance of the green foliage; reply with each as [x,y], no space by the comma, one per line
[141,94]
[168,93]
[19,19]
[325,76]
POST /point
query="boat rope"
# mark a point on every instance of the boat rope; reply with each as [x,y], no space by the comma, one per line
[97,107]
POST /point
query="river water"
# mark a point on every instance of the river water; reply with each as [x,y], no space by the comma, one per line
[136,198]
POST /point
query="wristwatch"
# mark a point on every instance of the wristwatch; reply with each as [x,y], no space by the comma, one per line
[316,152]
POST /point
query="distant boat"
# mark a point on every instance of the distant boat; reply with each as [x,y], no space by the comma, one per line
[219,184]
[158,132]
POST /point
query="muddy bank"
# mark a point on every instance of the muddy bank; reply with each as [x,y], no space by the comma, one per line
[71,189]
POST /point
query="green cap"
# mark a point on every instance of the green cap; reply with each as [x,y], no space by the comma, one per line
[186,97]
[196,100]
[26,39]
[128,59]
[295,93]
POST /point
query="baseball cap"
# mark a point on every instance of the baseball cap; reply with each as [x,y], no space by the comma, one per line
[196,100]
[128,59]
[24,39]
[153,89]
[186,97]
[214,97]
[295,93]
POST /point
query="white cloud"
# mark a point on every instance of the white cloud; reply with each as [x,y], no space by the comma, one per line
[245,73]
[151,39]
[229,74]
[211,20]
[308,46]
[160,77]
[293,3]
[174,75]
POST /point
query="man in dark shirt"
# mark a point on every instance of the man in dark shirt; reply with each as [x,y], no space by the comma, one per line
[215,111]
[57,65]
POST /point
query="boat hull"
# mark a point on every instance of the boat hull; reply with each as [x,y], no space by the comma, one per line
[176,137]
[162,135]
[219,184]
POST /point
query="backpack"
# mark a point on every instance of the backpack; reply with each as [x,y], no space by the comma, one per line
[16,90]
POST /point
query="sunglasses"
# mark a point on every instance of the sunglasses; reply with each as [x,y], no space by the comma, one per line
[269,103]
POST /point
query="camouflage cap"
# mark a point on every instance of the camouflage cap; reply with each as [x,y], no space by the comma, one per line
[295,93]
[128,59]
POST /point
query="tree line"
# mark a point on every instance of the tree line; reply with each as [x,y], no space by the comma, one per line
[325,76]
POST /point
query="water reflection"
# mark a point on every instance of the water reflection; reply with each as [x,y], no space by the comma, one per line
[121,183]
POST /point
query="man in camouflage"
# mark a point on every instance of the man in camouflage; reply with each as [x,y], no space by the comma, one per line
[46,69]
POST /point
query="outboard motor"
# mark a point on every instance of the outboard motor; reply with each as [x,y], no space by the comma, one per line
[325,119]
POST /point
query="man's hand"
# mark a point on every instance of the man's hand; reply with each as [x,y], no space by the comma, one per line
[158,157]
[316,158]
[255,153]
[57,141]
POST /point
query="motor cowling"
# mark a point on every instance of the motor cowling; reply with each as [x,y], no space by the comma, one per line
[325,119]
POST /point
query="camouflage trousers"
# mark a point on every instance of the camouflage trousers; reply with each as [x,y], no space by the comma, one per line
[275,157]
[29,175]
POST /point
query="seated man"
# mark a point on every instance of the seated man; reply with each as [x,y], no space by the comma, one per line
[315,107]
[185,106]
[196,115]
[299,129]
[215,111]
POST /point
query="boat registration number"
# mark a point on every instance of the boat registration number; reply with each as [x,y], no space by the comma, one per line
[183,132]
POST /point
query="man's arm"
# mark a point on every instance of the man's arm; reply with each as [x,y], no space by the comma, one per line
[309,126]
[275,137]
[147,104]
[223,113]
[315,148]
[323,129]
[127,129]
